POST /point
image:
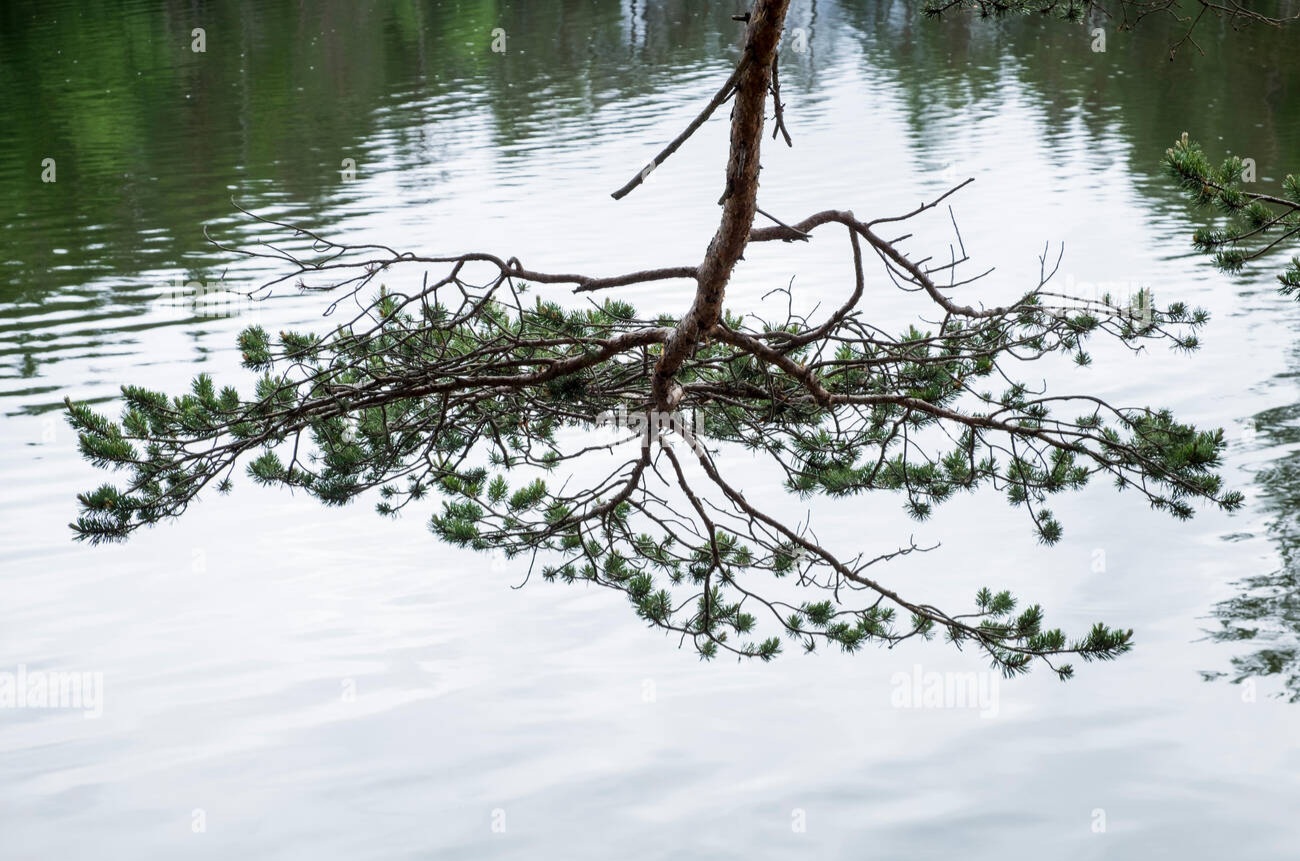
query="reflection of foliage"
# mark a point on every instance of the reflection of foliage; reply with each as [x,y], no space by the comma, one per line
[150,136]
[1126,14]
[1254,216]
[1267,612]
[1247,82]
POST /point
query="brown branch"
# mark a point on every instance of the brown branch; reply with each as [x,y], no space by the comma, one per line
[738,199]
[719,97]
[778,109]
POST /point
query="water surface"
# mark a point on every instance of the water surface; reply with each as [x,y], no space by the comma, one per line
[285,681]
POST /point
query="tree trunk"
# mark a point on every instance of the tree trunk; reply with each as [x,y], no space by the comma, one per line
[739,198]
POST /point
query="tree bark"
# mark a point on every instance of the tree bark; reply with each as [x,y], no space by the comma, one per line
[739,199]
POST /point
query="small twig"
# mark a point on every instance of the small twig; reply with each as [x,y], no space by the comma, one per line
[802,236]
[779,124]
[718,98]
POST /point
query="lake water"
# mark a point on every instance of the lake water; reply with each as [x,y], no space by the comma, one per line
[284,681]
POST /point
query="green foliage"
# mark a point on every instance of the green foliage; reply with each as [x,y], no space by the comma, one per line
[478,402]
[1251,224]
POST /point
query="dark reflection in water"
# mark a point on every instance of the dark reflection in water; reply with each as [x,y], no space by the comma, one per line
[1265,617]
[152,139]
[1242,95]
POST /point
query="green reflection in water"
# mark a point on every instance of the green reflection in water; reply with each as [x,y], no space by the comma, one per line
[152,139]
[1267,612]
